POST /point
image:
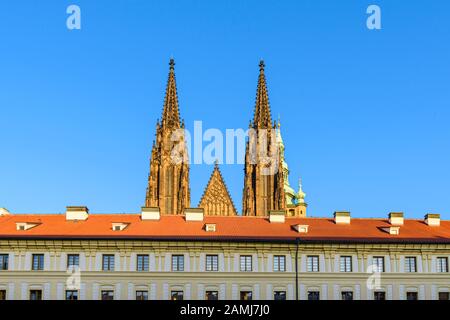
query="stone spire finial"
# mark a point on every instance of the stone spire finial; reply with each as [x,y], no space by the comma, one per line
[262,117]
[170,116]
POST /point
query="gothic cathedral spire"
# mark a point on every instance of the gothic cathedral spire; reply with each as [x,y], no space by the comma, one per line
[263,182]
[168,181]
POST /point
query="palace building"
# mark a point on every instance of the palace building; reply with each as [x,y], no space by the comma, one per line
[173,250]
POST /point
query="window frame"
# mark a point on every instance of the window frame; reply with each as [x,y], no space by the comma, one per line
[35,291]
[73,255]
[345,264]
[249,294]
[144,265]
[407,265]
[4,261]
[310,293]
[246,263]
[279,293]
[110,265]
[178,293]
[109,292]
[212,263]
[143,293]
[279,263]
[441,293]
[382,293]
[176,265]
[347,294]
[378,258]
[211,292]
[310,263]
[412,293]
[442,268]
[40,261]
[71,291]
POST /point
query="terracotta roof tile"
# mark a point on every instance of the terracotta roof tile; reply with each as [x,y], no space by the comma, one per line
[234,227]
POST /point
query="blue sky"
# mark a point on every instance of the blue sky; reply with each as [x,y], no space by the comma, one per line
[365,114]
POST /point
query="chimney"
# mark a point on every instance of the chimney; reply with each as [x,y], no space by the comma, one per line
[276,216]
[77,213]
[396,218]
[342,217]
[433,219]
[4,212]
[150,213]
[193,214]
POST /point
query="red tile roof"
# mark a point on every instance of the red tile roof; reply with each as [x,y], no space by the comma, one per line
[227,228]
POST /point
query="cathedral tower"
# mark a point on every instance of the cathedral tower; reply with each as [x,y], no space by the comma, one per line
[168,181]
[264,181]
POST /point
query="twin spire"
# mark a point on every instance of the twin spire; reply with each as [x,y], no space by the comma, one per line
[168,183]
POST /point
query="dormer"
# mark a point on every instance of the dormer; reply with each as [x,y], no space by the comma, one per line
[24,226]
[210,227]
[301,228]
[119,226]
[393,230]
[75,213]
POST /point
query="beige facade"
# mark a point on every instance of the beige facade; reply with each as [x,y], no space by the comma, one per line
[228,281]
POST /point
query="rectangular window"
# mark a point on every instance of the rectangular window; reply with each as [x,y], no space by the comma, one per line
[73,260]
[108,262]
[279,295]
[279,263]
[71,294]
[177,262]
[2,295]
[442,264]
[246,295]
[107,295]
[212,295]
[246,263]
[38,262]
[142,295]
[410,264]
[379,295]
[313,295]
[142,262]
[345,264]
[379,263]
[312,263]
[444,296]
[176,295]
[347,295]
[4,261]
[412,296]
[212,263]
[35,294]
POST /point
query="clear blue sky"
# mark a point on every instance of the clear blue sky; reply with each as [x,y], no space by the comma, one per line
[365,114]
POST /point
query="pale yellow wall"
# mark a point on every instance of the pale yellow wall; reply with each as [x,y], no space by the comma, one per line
[228,281]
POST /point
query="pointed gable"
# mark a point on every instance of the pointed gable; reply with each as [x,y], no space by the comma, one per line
[216,200]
